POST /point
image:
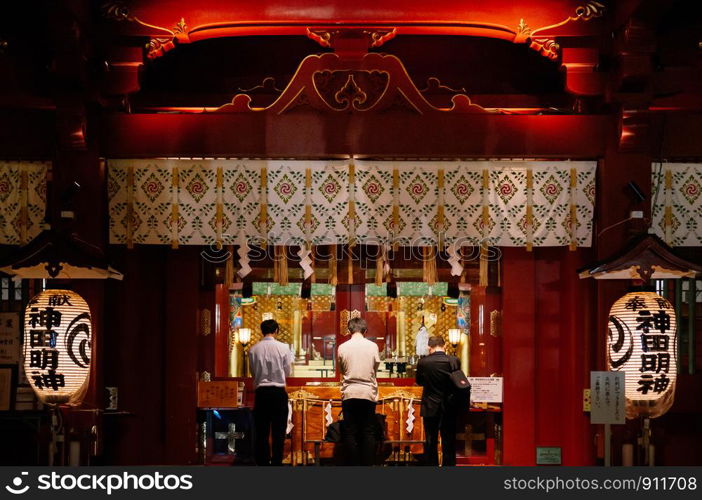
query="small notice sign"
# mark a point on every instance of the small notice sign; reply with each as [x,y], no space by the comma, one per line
[485,389]
[220,394]
[9,338]
[607,397]
[548,455]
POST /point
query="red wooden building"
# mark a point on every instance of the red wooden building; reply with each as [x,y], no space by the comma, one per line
[99,90]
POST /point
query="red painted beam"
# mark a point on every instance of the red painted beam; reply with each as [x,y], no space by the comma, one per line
[27,134]
[155,17]
[682,135]
[314,134]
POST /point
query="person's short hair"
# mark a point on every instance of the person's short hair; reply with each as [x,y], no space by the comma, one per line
[357,325]
[436,341]
[269,326]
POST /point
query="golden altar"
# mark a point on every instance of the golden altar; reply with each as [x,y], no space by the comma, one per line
[314,407]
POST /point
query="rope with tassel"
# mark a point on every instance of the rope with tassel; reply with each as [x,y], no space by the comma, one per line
[429,265]
[483,274]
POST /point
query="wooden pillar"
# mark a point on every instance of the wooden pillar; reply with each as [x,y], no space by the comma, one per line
[89,206]
[485,331]
[221,331]
[519,361]
[548,314]
[577,320]
[179,350]
[550,388]
[135,335]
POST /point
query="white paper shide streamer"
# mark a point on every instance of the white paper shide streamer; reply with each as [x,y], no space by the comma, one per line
[305,261]
[328,419]
[290,426]
[454,258]
[410,416]
[243,252]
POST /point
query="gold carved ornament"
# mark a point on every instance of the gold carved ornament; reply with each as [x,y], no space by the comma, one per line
[344,317]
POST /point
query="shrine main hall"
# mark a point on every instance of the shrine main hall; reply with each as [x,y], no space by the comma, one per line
[522,178]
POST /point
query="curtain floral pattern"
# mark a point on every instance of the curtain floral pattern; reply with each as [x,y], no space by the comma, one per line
[22,200]
[676,204]
[327,196]
[416,203]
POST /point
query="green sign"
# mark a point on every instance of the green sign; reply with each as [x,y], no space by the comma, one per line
[548,455]
[421,289]
[322,289]
[270,288]
[373,290]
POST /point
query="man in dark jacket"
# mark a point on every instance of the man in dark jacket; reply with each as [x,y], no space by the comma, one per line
[438,409]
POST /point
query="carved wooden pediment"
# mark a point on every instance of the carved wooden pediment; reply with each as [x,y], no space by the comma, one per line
[373,83]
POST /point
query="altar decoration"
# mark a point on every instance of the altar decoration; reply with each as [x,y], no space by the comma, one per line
[676,203]
[57,346]
[281,305]
[315,407]
[22,200]
[642,342]
[303,203]
[420,310]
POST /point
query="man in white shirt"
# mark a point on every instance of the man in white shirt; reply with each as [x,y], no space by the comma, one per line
[358,362]
[270,362]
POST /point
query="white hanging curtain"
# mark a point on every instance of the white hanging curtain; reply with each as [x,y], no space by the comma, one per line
[676,203]
[422,203]
[22,200]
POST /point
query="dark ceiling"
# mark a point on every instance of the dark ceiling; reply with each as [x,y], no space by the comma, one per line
[209,73]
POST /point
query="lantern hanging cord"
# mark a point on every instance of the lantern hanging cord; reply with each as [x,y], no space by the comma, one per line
[614,225]
[59,418]
[58,428]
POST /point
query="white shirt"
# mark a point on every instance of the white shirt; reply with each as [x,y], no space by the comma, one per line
[358,361]
[270,362]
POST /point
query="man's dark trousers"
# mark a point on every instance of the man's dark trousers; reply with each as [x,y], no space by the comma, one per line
[438,407]
[359,431]
[270,418]
[444,422]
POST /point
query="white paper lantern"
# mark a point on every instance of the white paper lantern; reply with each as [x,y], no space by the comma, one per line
[642,342]
[57,346]
[244,335]
[454,335]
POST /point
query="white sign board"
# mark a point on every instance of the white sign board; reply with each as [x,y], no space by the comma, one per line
[9,338]
[607,395]
[485,389]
